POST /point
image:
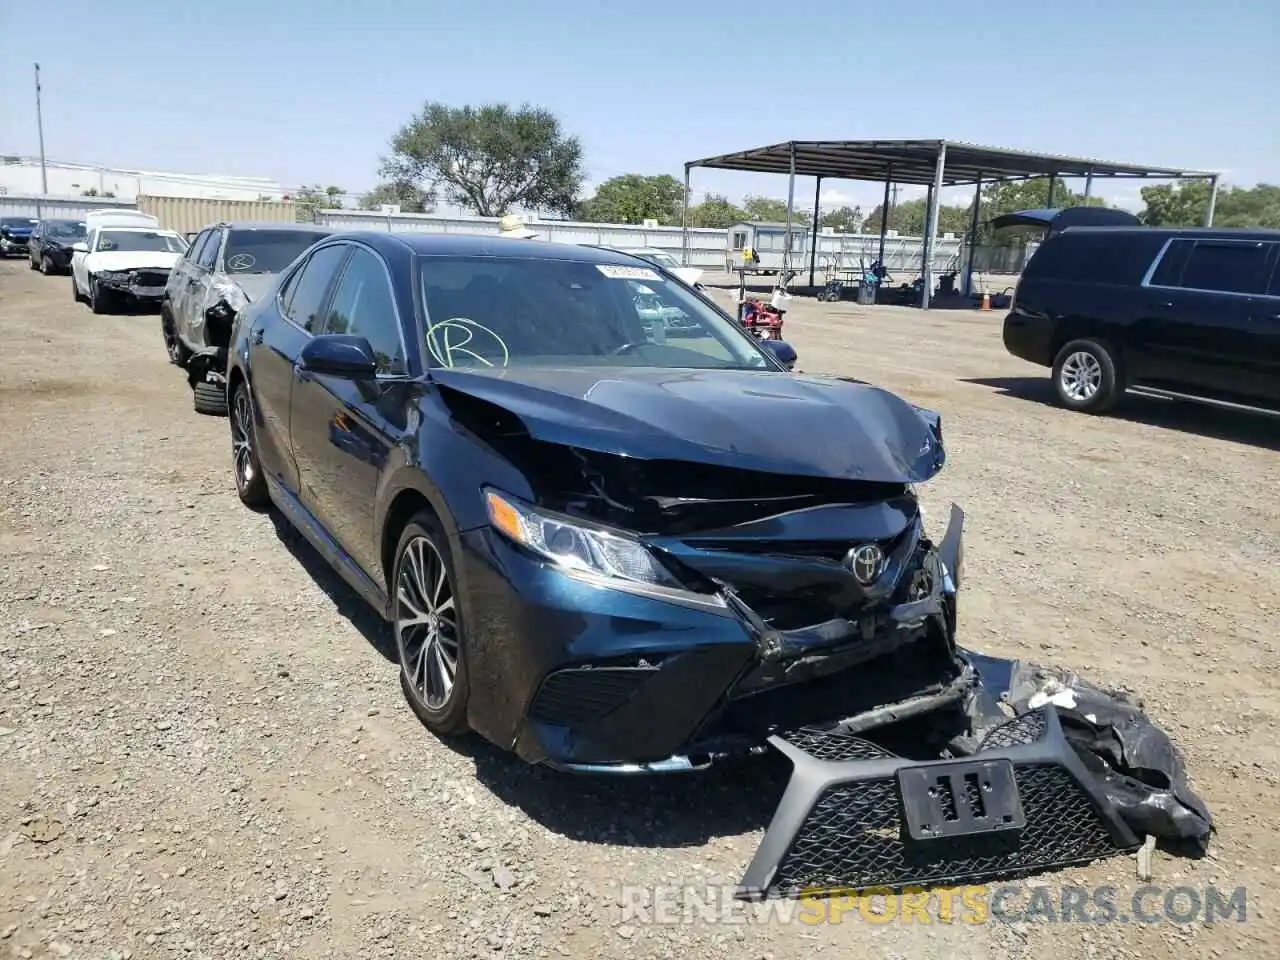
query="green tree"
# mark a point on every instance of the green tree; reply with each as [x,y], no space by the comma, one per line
[309,200]
[489,158]
[908,219]
[334,197]
[634,198]
[716,211]
[411,197]
[843,219]
[1185,204]
[772,211]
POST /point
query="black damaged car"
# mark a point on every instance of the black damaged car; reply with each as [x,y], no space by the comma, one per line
[601,549]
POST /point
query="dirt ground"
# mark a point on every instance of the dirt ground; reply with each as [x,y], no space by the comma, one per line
[204,751]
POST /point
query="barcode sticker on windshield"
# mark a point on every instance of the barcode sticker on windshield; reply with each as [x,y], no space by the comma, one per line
[628,273]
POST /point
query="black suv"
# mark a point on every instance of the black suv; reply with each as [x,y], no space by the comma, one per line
[1186,313]
[50,245]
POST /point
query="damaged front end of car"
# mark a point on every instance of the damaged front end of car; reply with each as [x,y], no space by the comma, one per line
[686,610]
[212,326]
[746,602]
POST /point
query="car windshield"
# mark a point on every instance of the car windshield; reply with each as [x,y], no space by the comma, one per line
[266,251]
[17,222]
[133,240]
[508,312]
[64,229]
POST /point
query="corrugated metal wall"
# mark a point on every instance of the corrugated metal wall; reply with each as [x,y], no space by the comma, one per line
[58,208]
[188,214]
[707,248]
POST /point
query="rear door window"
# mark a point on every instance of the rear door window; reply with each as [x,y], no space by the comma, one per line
[1168,272]
[1227,266]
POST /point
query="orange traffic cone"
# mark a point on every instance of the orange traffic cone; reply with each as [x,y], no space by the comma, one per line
[986,301]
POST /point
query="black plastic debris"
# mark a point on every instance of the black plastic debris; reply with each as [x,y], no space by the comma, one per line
[1134,761]
[1035,770]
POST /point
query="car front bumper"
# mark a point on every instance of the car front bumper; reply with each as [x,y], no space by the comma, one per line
[12,245]
[595,679]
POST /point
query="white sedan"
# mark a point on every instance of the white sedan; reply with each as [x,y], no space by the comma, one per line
[118,263]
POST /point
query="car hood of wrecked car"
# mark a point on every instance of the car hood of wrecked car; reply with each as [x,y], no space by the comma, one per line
[756,420]
[254,285]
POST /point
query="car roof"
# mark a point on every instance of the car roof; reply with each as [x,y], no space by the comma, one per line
[135,228]
[274,225]
[474,245]
[1203,233]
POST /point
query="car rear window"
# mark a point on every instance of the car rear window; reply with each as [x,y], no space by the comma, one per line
[1095,256]
[266,251]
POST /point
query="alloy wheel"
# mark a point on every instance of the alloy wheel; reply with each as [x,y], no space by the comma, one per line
[1081,376]
[242,440]
[426,623]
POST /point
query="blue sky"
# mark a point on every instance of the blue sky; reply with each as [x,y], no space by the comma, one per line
[311,92]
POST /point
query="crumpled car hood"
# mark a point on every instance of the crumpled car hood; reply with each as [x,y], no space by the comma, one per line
[254,285]
[756,420]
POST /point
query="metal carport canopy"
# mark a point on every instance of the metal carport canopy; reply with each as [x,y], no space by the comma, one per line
[935,164]
[915,162]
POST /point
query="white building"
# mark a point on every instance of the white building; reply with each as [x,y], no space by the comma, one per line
[20,176]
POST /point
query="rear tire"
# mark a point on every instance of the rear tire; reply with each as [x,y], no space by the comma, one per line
[1087,376]
[209,399]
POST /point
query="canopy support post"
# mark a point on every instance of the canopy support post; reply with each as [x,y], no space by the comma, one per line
[1213,201]
[684,220]
[813,229]
[931,224]
[791,203]
[973,236]
[884,214]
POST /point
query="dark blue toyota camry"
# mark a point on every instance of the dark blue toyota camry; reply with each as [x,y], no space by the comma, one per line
[610,529]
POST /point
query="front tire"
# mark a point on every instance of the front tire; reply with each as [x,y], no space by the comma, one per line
[99,301]
[251,485]
[75,290]
[1087,376]
[177,350]
[209,399]
[428,627]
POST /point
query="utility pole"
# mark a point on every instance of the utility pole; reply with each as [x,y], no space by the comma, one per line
[44,176]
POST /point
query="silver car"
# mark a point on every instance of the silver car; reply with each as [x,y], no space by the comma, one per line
[227,266]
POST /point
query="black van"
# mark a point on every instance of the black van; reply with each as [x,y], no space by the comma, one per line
[1187,313]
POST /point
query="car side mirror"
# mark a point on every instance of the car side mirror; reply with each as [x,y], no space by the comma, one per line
[80,247]
[782,351]
[340,355]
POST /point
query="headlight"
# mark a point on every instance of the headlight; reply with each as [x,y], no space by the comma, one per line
[576,547]
[118,276]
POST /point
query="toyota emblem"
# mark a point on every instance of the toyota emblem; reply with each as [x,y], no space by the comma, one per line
[866,563]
